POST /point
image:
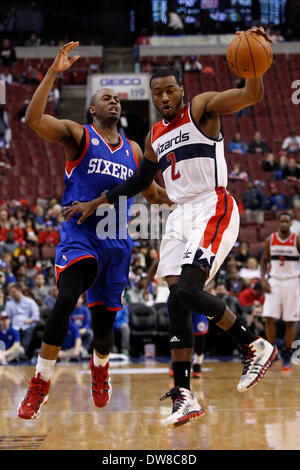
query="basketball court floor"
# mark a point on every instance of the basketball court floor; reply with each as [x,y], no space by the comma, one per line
[266,417]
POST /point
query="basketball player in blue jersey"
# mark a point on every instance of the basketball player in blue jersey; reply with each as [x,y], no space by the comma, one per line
[97,159]
[188,146]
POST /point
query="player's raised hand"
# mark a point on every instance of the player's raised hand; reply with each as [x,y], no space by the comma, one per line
[258,30]
[62,62]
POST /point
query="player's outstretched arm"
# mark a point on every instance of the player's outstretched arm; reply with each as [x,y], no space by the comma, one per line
[48,127]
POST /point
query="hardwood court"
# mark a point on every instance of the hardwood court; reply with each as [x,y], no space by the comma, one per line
[267,417]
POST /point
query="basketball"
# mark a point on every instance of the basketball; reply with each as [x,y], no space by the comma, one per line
[249,55]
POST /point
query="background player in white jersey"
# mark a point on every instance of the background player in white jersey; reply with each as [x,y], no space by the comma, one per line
[187,145]
[281,283]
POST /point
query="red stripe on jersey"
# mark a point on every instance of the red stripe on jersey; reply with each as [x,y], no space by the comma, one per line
[134,154]
[71,164]
[160,128]
[290,241]
[218,223]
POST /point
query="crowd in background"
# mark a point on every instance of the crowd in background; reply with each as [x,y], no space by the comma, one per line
[28,285]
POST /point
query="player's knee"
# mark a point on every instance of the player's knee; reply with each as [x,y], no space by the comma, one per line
[211,306]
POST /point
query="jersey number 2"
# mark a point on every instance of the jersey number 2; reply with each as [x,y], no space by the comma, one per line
[174,175]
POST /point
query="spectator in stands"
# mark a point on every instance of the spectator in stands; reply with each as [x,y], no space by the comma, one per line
[26,282]
[269,164]
[293,197]
[192,65]
[291,143]
[251,296]
[243,253]
[234,282]
[174,24]
[39,218]
[30,233]
[143,38]
[32,268]
[33,40]
[10,337]
[250,271]
[71,347]
[258,145]
[3,285]
[49,236]
[8,23]
[231,300]
[237,174]
[7,53]
[22,254]
[236,145]
[40,290]
[277,200]
[255,202]
[292,171]
[5,131]
[54,96]
[22,110]
[8,244]
[82,318]
[33,75]
[24,314]
[50,299]
[6,76]
[254,321]
[16,229]
[7,267]
[49,273]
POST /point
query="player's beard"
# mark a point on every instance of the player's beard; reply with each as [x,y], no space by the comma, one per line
[177,108]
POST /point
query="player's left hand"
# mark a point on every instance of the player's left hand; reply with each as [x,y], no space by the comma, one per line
[85,208]
[257,30]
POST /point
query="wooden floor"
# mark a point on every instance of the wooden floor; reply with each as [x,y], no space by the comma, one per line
[266,417]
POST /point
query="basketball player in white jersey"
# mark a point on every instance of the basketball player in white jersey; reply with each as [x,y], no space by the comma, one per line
[281,284]
[188,146]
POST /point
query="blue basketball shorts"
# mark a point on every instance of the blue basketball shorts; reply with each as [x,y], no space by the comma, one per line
[113,256]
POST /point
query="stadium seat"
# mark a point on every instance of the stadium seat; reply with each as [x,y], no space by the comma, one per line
[143,327]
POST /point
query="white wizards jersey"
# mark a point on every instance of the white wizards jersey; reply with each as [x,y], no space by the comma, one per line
[191,163]
[284,257]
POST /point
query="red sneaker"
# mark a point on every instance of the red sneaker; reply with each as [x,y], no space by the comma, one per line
[101,388]
[37,396]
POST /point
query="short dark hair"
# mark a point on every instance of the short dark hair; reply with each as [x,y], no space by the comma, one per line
[166,72]
[285,213]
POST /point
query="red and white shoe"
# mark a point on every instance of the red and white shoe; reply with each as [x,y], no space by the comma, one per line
[257,357]
[101,387]
[36,397]
[185,407]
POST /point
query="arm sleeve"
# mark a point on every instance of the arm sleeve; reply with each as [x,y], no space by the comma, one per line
[137,183]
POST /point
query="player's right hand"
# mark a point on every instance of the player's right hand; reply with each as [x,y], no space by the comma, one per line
[266,286]
[62,62]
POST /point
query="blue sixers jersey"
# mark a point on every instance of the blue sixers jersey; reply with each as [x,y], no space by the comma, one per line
[100,167]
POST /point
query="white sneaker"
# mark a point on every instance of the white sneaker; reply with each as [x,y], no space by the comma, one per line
[185,407]
[257,357]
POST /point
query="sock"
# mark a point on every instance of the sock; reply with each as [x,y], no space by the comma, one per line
[44,367]
[98,361]
[198,359]
[182,373]
[241,332]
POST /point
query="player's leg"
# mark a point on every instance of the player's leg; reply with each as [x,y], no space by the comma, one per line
[73,281]
[290,305]
[104,300]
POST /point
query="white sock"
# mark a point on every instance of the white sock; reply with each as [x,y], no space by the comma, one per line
[98,361]
[198,359]
[45,368]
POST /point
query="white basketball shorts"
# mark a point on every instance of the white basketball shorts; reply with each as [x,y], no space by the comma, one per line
[284,299]
[201,233]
